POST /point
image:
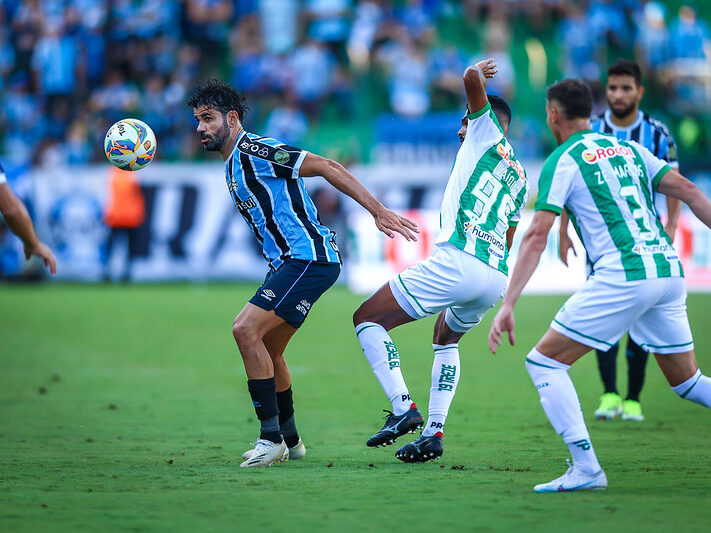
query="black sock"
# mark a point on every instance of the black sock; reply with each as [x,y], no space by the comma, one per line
[263,393]
[287,423]
[607,363]
[636,366]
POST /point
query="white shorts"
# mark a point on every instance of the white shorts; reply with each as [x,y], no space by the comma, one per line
[453,280]
[652,310]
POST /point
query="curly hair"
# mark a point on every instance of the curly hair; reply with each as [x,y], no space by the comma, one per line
[216,93]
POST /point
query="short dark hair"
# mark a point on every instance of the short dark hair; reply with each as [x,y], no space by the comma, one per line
[500,107]
[626,67]
[575,96]
[217,94]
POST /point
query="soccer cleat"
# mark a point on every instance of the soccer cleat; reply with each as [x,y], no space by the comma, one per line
[397,426]
[266,453]
[610,406]
[295,453]
[422,449]
[574,480]
[632,410]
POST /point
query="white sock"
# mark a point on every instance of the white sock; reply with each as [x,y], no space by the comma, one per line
[445,376]
[561,405]
[697,389]
[381,353]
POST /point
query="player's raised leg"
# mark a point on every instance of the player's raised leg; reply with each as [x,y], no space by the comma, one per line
[685,377]
[372,321]
[548,364]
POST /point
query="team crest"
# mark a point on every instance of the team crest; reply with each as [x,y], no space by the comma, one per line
[281,157]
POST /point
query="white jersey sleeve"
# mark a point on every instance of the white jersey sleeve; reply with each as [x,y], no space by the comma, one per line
[556,181]
[655,167]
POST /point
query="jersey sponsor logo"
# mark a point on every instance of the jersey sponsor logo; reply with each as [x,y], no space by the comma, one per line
[246,205]
[504,150]
[592,156]
[479,233]
[281,157]
[254,148]
[649,249]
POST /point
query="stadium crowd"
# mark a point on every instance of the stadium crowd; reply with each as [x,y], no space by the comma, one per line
[70,68]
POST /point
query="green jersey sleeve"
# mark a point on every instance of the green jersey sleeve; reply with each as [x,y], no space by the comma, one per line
[554,182]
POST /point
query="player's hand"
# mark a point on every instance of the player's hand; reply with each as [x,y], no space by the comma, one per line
[42,251]
[565,244]
[487,67]
[389,222]
[671,230]
[503,321]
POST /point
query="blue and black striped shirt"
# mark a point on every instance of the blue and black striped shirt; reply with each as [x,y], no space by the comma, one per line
[262,176]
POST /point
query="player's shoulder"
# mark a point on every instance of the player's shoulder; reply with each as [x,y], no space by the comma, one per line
[657,124]
[268,148]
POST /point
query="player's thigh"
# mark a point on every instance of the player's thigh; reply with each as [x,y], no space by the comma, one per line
[276,339]
[602,310]
[678,367]
[490,285]
[664,327]
[561,348]
[382,308]
[440,281]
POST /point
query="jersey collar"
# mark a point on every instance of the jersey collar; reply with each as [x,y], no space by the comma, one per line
[615,128]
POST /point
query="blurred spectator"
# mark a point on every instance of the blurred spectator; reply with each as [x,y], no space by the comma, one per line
[311,73]
[287,122]
[580,51]
[497,45]
[688,37]
[54,64]
[278,23]
[653,38]
[408,79]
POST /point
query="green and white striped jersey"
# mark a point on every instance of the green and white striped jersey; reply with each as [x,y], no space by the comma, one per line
[485,193]
[607,187]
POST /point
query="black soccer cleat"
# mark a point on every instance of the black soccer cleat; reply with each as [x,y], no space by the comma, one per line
[397,426]
[422,449]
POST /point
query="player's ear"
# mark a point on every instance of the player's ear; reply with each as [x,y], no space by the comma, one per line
[232,118]
[641,91]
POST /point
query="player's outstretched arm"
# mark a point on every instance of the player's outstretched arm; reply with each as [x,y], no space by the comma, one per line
[677,186]
[532,246]
[475,83]
[386,220]
[673,212]
[564,240]
[18,220]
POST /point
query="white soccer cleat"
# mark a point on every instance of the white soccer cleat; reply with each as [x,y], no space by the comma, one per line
[265,453]
[295,453]
[574,480]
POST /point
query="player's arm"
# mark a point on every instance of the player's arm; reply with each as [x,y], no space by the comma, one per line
[565,243]
[386,220]
[509,237]
[532,246]
[677,186]
[18,220]
[673,212]
[475,83]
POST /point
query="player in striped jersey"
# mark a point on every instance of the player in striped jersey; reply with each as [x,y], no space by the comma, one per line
[264,178]
[626,121]
[464,277]
[606,185]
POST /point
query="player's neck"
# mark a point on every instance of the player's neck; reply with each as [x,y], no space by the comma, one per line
[570,127]
[230,144]
[626,121]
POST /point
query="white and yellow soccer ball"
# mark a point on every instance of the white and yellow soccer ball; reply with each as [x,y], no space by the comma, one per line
[130,144]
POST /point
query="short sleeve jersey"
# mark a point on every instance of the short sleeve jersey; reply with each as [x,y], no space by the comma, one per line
[606,185]
[262,176]
[486,191]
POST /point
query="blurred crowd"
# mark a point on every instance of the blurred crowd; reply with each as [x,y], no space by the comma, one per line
[70,68]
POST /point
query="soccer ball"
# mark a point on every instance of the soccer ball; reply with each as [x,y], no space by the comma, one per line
[130,144]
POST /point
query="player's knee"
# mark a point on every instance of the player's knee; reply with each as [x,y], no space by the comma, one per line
[243,332]
[362,314]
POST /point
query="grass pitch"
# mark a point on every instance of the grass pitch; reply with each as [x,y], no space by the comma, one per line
[126,408]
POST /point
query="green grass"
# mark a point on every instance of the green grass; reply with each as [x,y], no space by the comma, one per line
[126,408]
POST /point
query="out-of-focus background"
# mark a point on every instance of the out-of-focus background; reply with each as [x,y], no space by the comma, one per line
[373,84]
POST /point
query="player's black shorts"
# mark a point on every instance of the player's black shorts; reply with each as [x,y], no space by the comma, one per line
[294,287]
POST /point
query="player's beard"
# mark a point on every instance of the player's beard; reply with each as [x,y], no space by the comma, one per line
[622,112]
[217,141]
